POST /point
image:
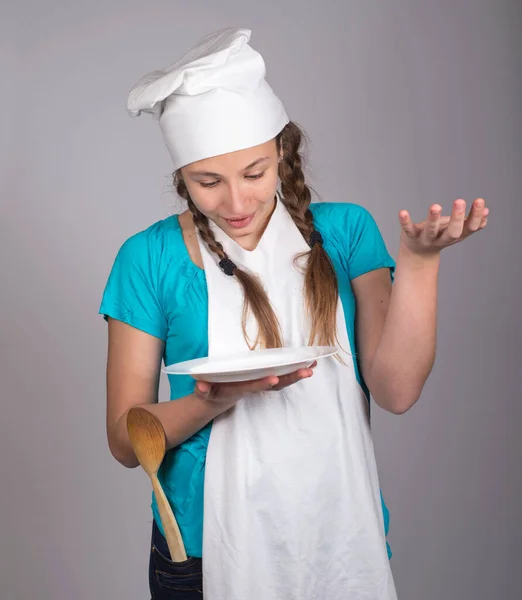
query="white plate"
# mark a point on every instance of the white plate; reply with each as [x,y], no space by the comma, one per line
[251,365]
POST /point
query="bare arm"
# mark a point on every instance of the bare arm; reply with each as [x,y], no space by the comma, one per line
[396,329]
[133,371]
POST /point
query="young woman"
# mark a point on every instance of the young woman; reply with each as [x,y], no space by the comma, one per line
[273,482]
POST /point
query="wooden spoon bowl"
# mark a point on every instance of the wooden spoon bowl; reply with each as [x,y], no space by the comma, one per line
[147,437]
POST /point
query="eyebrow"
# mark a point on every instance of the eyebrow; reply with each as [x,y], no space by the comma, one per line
[211,174]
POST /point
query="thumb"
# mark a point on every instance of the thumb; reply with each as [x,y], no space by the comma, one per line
[203,387]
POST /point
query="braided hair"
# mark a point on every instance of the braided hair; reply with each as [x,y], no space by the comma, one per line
[320,281]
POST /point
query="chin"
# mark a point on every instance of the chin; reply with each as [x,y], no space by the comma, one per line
[243,232]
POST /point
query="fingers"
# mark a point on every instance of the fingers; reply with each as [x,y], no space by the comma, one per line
[455,227]
[406,223]
[477,217]
[292,378]
[439,231]
[238,389]
[296,376]
[203,387]
[431,231]
[262,385]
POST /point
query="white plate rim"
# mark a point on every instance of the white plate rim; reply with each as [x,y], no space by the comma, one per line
[182,368]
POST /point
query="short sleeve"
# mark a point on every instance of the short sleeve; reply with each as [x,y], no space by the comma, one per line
[131,292]
[366,249]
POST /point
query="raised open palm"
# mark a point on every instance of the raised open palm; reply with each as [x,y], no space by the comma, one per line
[438,232]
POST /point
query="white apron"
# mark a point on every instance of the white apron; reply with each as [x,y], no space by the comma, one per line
[292,507]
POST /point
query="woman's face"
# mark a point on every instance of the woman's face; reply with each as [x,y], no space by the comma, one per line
[236,190]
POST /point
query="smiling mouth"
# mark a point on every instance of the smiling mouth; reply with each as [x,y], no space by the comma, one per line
[240,221]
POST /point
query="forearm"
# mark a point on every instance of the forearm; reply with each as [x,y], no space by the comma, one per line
[180,419]
[406,351]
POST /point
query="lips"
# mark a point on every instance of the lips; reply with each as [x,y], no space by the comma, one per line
[240,222]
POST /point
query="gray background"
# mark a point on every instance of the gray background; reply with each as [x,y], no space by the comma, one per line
[406,103]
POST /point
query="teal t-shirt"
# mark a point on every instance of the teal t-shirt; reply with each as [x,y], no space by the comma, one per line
[155,287]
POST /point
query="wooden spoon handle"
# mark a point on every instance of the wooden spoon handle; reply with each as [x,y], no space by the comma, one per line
[170,526]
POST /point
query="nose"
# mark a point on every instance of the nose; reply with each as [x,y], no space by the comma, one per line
[236,201]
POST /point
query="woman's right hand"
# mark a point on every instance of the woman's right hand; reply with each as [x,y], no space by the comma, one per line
[227,394]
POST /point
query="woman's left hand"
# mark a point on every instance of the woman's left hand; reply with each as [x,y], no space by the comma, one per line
[438,232]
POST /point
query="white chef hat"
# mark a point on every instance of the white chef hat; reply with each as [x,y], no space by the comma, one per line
[213,100]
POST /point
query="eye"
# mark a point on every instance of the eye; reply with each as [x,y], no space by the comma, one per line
[209,185]
[254,177]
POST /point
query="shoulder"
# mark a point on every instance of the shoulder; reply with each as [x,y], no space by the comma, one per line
[134,290]
[153,256]
[352,235]
[160,241]
[331,215]
[153,238]
[342,222]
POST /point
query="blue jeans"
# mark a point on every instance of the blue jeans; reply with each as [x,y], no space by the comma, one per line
[173,580]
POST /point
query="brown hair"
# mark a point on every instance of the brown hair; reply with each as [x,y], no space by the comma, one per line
[320,281]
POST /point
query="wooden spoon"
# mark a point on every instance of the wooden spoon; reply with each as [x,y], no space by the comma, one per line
[147,437]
